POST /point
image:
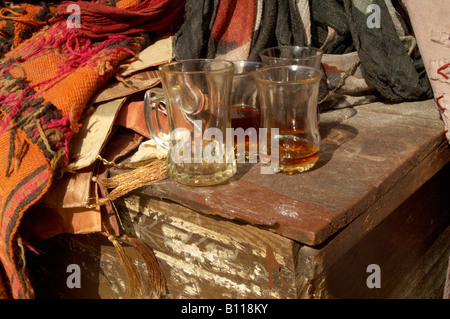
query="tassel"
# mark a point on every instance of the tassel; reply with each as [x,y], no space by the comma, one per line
[127,182]
[135,285]
[156,280]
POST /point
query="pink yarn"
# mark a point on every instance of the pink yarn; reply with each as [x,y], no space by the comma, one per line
[62,122]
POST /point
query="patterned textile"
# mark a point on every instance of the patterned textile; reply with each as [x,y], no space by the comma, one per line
[392,69]
[46,82]
[19,21]
[433,38]
[232,32]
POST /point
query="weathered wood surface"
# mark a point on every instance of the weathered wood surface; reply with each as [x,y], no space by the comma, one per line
[366,151]
[381,209]
[447,282]
[201,257]
[304,236]
[204,257]
[355,187]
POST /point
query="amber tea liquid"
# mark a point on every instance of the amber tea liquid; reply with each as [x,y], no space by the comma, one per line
[295,153]
[245,116]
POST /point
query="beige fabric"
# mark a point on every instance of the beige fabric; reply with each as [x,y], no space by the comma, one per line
[432,30]
[95,129]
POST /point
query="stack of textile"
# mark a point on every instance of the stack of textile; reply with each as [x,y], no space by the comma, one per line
[46,81]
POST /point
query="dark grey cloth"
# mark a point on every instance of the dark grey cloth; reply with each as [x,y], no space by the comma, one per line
[264,36]
[330,13]
[385,63]
[191,39]
[281,24]
[289,27]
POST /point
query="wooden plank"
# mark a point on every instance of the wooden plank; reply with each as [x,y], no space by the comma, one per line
[447,282]
[246,239]
[208,256]
[329,252]
[102,275]
[426,280]
[411,245]
[363,158]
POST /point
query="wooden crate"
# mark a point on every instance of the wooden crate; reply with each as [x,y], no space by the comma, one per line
[378,196]
[209,257]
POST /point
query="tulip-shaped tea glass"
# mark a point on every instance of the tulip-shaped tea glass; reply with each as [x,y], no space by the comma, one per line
[288,100]
[292,54]
[245,113]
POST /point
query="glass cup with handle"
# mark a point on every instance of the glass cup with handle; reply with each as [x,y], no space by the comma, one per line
[197,98]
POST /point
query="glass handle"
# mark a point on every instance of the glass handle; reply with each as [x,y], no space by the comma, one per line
[153,101]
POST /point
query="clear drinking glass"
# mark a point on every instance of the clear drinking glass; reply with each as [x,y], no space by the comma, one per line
[197,98]
[288,98]
[287,55]
[245,112]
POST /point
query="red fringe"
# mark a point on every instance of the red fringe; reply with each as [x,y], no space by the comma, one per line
[100,20]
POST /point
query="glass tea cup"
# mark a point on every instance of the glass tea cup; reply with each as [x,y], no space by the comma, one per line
[292,54]
[197,99]
[245,112]
[288,97]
